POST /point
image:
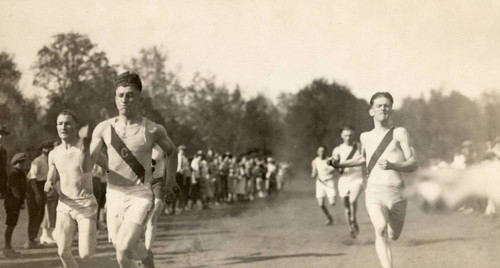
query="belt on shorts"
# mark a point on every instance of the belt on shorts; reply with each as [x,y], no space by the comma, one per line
[324,182]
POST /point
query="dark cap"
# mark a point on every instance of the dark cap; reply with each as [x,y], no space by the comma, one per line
[46,144]
[3,130]
[128,79]
[18,157]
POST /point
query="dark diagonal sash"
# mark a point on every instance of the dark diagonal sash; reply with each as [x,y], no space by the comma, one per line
[379,151]
[351,154]
[127,155]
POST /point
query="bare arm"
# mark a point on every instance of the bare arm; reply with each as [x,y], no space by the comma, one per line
[410,163]
[356,161]
[314,172]
[52,174]
[95,148]
[166,144]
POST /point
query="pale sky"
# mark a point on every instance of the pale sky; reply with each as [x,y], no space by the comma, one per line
[405,47]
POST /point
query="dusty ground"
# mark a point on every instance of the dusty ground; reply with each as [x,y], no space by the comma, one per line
[288,232]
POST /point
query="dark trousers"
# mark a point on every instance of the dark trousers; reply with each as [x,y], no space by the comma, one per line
[3,186]
[223,187]
[99,189]
[184,185]
[35,211]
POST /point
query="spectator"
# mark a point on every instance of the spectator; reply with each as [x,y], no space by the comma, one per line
[14,200]
[36,196]
[3,162]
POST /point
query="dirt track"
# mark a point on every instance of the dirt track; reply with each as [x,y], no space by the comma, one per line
[288,232]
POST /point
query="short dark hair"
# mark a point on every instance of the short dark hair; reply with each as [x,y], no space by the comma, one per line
[70,113]
[377,95]
[128,79]
[347,127]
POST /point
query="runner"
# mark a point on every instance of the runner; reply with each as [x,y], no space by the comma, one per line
[323,173]
[388,153]
[129,139]
[350,183]
[158,184]
[77,205]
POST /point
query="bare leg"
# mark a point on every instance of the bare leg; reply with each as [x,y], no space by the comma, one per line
[65,228]
[321,204]
[354,194]
[87,241]
[347,210]
[152,224]
[128,246]
[379,217]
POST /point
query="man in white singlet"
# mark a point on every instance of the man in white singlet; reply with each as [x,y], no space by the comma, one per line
[392,155]
[350,183]
[130,139]
[323,173]
[77,206]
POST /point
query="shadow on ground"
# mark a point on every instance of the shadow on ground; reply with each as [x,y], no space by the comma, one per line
[258,258]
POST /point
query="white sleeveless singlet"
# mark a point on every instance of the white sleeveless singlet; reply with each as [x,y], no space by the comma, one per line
[139,144]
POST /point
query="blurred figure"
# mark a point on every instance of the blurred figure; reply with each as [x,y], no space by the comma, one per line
[449,188]
[224,167]
[196,176]
[259,173]
[241,181]
[37,198]
[3,162]
[213,182]
[323,173]
[271,174]
[283,174]
[463,157]
[232,178]
[494,150]
[14,200]
[250,187]
[205,191]
[183,179]
[350,184]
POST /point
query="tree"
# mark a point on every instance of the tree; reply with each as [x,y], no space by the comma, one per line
[490,103]
[77,76]
[315,116]
[18,113]
[438,126]
[261,121]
